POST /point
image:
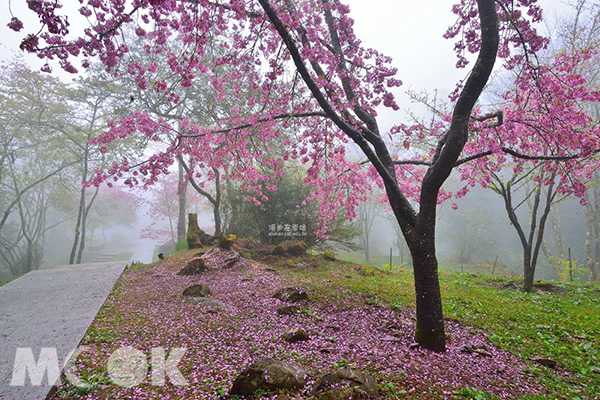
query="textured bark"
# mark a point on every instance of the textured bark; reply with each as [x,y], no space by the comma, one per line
[589,231]
[215,201]
[182,192]
[429,331]
[83,238]
[592,243]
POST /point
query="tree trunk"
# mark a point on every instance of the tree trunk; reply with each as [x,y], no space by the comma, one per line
[595,273]
[217,203]
[418,229]
[365,241]
[429,332]
[217,218]
[78,225]
[182,192]
[596,264]
[528,270]
[86,212]
[589,233]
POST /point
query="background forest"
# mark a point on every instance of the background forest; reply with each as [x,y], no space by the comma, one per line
[53,212]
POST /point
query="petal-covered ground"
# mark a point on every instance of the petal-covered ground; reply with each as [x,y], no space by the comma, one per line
[346,329]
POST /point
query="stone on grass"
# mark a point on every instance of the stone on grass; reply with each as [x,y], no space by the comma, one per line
[194,266]
[329,256]
[291,294]
[277,250]
[548,362]
[226,242]
[199,290]
[292,247]
[296,336]
[347,378]
[287,310]
[268,374]
[295,248]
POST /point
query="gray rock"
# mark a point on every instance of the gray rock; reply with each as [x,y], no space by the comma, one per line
[296,336]
[195,266]
[287,310]
[199,290]
[291,294]
[347,378]
[268,374]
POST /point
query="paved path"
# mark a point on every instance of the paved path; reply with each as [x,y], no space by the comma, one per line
[143,250]
[48,309]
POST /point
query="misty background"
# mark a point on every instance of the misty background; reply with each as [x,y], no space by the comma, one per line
[48,219]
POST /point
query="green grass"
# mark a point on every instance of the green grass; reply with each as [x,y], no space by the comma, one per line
[564,327]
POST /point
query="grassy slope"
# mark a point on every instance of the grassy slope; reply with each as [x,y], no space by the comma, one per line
[564,327]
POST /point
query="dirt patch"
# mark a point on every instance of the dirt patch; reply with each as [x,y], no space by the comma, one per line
[549,287]
[538,286]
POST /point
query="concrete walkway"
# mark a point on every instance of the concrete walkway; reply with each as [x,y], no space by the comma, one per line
[49,309]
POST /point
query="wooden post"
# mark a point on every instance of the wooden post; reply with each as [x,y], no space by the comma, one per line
[494,267]
[391,258]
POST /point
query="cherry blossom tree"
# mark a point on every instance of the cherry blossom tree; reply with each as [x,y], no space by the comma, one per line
[309,70]
[545,121]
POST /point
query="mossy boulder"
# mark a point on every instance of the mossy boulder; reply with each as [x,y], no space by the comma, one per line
[361,385]
[268,374]
[292,247]
[226,242]
[295,248]
[277,250]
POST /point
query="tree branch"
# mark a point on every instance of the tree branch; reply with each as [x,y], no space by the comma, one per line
[20,193]
[260,120]
[458,133]
[504,150]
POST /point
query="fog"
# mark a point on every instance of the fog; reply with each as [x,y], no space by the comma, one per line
[478,235]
